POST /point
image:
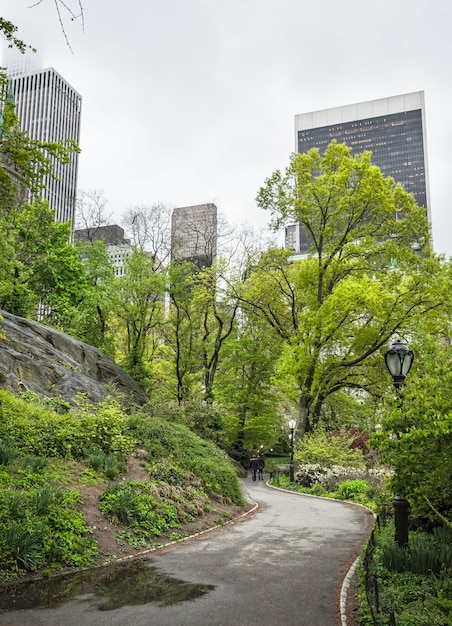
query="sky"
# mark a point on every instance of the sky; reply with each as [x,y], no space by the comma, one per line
[193,101]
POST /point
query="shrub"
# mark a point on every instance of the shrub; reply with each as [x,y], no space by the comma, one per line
[424,554]
[23,548]
[181,447]
[7,452]
[328,448]
[351,489]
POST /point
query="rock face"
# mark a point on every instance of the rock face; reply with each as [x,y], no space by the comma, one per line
[51,363]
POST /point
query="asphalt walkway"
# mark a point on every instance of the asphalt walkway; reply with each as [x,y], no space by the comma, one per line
[283,565]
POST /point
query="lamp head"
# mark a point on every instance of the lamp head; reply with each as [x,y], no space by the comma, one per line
[399,359]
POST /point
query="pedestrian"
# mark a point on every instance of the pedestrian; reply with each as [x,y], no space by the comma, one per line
[260,467]
[253,466]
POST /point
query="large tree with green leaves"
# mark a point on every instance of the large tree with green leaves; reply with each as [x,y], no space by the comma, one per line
[245,388]
[368,275]
[43,269]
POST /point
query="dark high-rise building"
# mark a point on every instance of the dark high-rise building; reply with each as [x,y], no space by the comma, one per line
[194,234]
[393,129]
[49,109]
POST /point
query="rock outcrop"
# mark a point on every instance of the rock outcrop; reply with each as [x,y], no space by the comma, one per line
[51,363]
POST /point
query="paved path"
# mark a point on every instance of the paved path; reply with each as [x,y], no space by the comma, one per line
[281,566]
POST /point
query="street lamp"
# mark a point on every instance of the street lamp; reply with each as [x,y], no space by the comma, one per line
[291,465]
[399,359]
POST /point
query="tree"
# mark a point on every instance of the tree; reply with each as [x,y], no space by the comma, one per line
[90,211]
[139,304]
[150,229]
[364,279]
[245,388]
[44,271]
[92,323]
[416,430]
[201,319]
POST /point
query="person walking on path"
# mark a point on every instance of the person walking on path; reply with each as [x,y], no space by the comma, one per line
[260,467]
[253,466]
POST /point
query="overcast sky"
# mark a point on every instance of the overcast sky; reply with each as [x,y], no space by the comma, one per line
[193,101]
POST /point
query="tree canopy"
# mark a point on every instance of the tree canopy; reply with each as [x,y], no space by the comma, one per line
[369,274]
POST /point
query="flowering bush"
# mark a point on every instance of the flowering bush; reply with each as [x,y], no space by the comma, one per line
[330,478]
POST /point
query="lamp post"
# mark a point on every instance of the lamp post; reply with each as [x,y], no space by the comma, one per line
[291,464]
[399,359]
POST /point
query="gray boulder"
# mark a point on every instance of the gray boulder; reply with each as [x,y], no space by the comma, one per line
[51,363]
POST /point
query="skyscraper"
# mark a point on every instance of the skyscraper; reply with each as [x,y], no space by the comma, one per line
[393,129]
[49,109]
[194,234]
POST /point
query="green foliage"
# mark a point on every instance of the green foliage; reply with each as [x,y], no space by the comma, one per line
[23,547]
[104,426]
[414,583]
[137,301]
[45,270]
[40,526]
[7,451]
[362,278]
[9,30]
[111,463]
[353,490]
[38,430]
[148,511]
[423,555]
[176,442]
[416,436]
[329,448]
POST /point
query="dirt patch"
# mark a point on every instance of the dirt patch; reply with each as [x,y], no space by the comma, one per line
[107,534]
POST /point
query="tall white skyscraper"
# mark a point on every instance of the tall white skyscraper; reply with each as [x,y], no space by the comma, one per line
[49,109]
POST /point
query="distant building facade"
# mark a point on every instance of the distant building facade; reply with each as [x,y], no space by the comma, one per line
[49,109]
[194,234]
[119,248]
[393,129]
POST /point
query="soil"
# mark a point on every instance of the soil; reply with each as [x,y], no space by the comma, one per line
[352,605]
[106,532]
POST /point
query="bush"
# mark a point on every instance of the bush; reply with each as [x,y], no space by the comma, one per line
[328,448]
[352,489]
[7,452]
[181,447]
[38,430]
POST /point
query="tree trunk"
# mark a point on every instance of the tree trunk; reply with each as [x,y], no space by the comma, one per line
[303,416]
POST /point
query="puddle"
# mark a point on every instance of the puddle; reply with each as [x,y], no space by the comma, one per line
[110,587]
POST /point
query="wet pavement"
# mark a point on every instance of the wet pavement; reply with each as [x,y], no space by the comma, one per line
[282,565]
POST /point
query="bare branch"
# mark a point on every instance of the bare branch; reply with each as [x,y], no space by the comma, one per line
[73,16]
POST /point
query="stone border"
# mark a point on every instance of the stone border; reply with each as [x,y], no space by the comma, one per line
[179,541]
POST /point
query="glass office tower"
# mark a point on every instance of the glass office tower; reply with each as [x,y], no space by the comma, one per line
[393,129]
